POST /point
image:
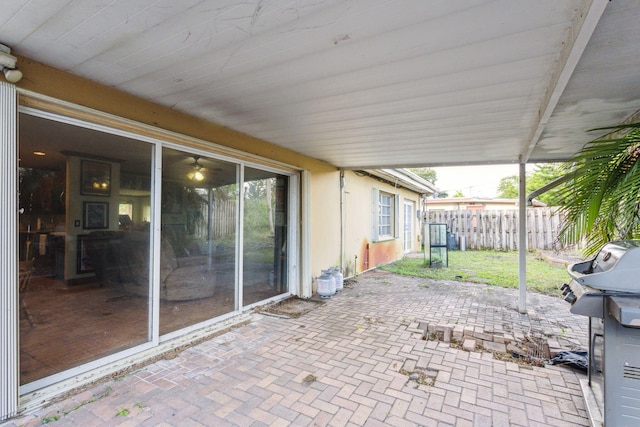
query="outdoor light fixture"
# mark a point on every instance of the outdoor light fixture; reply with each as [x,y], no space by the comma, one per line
[196,174]
[8,65]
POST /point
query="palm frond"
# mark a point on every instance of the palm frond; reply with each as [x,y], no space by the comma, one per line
[601,201]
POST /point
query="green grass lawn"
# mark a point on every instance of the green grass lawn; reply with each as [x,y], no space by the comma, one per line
[489,267]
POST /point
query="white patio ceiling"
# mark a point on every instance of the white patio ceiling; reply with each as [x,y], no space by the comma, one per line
[360,84]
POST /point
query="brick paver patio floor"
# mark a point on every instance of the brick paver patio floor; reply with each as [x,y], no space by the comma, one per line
[358,360]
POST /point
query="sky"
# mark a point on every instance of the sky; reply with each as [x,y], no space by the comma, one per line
[473,181]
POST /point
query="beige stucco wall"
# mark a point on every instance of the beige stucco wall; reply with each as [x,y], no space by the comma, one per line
[325,220]
[358,225]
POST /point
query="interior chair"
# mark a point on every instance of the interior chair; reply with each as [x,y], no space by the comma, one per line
[26,272]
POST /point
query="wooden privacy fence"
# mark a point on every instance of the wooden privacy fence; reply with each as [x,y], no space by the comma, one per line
[223,219]
[498,229]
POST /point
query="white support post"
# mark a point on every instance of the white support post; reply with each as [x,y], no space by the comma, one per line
[306,282]
[9,375]
[522,240]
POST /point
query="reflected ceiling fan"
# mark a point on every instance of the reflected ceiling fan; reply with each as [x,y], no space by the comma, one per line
[197,170]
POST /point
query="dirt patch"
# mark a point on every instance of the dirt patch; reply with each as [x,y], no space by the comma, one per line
[560,259]
[291,307]
[421,376]
[530,351]
[309,379]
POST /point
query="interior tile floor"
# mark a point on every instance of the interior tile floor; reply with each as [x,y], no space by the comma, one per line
[76,324]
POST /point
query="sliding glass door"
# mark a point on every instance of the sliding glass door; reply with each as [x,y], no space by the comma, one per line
[84,267]
[265,235]
[198,239]
[126,241]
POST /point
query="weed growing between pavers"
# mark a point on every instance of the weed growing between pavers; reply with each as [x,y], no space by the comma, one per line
[56,416]
[368,321]
[50,419]
[420,377]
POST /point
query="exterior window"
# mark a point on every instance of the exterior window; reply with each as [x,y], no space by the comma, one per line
[385,216]
[385,209]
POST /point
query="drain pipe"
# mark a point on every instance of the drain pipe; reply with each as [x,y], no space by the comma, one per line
[342,220]
[355,265]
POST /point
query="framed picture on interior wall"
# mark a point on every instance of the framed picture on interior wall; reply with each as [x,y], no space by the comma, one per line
[95,215]
[95,178]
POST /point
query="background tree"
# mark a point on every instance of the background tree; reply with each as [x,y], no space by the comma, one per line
[542,175]
[508,187]
[426,173]
[258,209]
[602,196]
[539,177]
[430,175]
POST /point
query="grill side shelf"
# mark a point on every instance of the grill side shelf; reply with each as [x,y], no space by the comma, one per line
[625,309]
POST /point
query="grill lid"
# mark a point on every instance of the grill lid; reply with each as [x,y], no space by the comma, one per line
[616,267]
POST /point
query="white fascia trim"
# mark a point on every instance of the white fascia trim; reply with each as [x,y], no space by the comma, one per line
[406,181]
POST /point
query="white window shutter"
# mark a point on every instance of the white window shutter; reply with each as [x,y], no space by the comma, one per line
[396,216]
[375,206]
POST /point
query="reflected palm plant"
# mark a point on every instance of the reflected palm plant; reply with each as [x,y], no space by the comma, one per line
[602,197]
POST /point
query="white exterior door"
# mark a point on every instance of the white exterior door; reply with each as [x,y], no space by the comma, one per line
[409,211]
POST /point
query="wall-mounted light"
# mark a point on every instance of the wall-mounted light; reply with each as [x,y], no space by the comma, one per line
[99,185]
[8,65]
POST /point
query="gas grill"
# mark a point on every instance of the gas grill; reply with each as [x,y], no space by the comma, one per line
[607,290]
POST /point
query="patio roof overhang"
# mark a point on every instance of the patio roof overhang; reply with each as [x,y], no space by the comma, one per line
[360,84]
